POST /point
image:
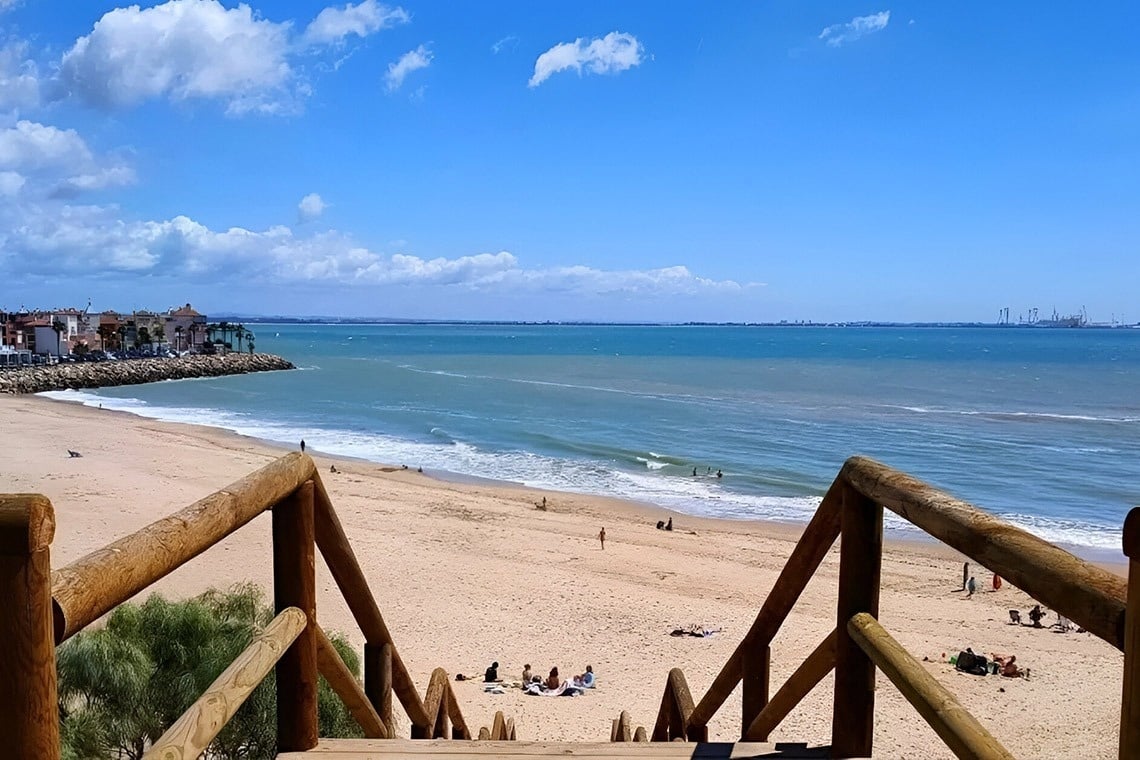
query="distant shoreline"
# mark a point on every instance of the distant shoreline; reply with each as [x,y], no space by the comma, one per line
[333,321]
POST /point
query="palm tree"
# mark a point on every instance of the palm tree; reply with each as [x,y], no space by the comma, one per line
[159,333]
[249,344]
[60,328]
[106,333]
[142,337]
[194,330]
[239,333]
[122,331]
[178,338]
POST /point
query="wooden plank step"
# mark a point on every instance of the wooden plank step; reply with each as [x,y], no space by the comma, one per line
[379,749]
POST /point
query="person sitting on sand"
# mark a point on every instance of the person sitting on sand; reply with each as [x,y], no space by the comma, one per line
[333,469]
[586,680]
[1009,668]
[971,587]
[526,675]
[669,525]
[552,681]
[1036,615]
[492,674]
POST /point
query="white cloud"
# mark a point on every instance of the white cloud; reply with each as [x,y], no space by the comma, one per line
[840,34]
[310,207]
[7,5]
[420,58]
[182,49]
[11,183]
[19,77]
[617,51]
[59,160]
[366,17]
[44,237]
[510,40]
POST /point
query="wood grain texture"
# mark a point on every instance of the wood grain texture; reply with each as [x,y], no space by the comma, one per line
[29,706]
[812,547]
[756,663]
[378,679]
[860,565]
[360,749]
[960,730]
[294,585]
[345,569]
[351,693]
[1130,690]
[435,702]
[192,733]
[91,586]
[807,676]
[1093,598]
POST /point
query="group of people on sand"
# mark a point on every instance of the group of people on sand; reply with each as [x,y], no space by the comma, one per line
[552,682]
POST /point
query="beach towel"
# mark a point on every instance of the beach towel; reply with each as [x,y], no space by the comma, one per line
[567,689]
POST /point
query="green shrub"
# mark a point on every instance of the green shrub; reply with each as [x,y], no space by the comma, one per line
[122,686]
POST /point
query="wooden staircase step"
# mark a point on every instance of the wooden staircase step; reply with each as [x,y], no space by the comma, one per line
[380,749]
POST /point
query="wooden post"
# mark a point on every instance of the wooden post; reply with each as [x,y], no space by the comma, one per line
[755,676]
[378,679]
[1130,698]
[29,704]
[435,702]
[340,678]
[860,561]
[639,735]
[294,585]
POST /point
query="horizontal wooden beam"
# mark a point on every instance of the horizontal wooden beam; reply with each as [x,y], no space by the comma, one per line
[960,730]
[91,586]
[812,547]
[351,693]
[345,569]
[189,736]
[807,676]
[1092,597]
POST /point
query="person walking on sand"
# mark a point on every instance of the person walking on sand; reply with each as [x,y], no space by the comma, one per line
[302,445]
[971,587]
[602,538]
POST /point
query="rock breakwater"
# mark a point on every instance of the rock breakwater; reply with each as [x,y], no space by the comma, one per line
[134,371]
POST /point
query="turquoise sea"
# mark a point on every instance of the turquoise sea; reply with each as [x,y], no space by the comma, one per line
[1040,426]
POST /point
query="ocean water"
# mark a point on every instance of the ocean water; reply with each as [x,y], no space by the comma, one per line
[1039,426]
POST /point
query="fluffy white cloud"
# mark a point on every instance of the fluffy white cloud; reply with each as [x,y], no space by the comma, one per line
[19,77]
[860,26]
[364,18]
[617,51]
[45,236]
[420,58]
[310,207]
[181,49]
[11,183]
[57,159]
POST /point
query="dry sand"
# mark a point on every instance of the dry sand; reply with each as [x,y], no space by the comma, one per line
[467,574]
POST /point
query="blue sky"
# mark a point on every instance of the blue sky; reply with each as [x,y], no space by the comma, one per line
[736,161]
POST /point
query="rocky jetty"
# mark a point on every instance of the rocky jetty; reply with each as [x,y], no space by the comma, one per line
[134,371]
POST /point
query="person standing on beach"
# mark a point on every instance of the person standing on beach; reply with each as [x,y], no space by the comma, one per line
[302,445]
[602,537]
[965,574]
[971,587]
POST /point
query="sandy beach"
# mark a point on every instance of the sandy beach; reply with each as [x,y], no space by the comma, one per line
[470,573]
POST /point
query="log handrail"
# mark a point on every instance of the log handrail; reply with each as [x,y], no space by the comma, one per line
[1088,595]
[93,585]
[622,731]
[807,676]
[959,729]
[345,569]
[813,546]
[349,690]
[191,734]
[676,710]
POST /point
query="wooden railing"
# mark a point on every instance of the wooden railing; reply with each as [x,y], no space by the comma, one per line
[852,510]
[47,608]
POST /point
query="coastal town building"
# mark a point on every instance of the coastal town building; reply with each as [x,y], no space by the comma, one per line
[59,332]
